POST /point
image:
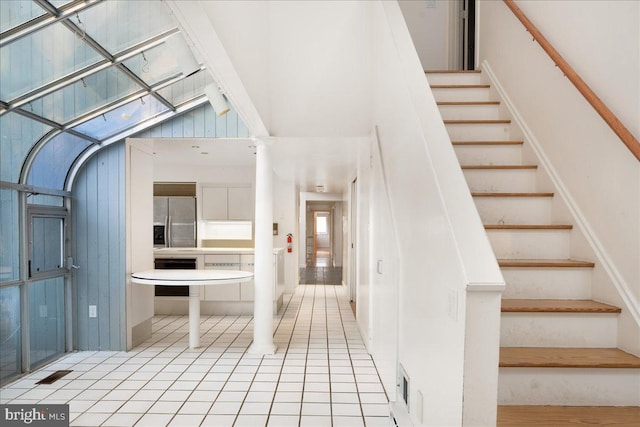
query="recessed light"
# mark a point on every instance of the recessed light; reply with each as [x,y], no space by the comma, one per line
[195,146]
[203,152]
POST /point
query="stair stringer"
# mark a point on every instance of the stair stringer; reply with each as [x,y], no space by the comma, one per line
[607,281]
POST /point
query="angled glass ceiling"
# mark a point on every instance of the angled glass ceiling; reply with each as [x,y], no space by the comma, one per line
[80,73]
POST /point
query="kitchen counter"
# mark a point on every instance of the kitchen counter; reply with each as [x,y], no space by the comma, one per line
[232,299]
[206,251]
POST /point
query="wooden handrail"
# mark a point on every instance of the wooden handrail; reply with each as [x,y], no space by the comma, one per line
[614,123]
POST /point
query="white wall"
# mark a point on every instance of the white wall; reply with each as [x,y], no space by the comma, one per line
[443,248]
[285,208]
[139,210]
[601,177]
[428,22]
[278,71]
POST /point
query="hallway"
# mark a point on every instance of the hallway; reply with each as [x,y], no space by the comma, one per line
[321,374]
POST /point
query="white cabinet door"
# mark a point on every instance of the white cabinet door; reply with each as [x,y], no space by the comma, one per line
[247,288]
[214,203]
[229,292]
[240,203]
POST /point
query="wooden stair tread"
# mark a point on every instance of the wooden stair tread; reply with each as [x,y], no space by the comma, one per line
[528,226]
[504,262]
[452,71]
[459,86]
[556,306]
[489,194]
[487,142]
[531,415]
[499,167]
[555,357]
[477,122]
[468,103]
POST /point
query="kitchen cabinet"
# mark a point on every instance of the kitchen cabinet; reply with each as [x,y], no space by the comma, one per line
[228,292]
[228,299]
[227,203]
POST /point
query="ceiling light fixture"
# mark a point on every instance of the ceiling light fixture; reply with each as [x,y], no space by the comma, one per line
[320,188]
[217,99]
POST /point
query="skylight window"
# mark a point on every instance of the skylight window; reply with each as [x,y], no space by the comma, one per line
[84,96]
[53,52]
[129,115]
[16,12]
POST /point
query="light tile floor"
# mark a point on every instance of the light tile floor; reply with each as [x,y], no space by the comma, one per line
[321,374]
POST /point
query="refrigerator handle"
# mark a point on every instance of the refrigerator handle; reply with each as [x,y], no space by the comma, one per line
[167,231]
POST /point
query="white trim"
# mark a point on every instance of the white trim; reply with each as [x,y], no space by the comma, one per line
[603,257]
[485,287]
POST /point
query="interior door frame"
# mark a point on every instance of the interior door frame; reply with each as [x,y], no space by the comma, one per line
[353,232]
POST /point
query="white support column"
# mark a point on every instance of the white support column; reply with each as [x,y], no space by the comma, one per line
[263,268]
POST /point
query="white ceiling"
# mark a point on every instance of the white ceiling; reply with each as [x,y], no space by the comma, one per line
[309,162]
[205,151]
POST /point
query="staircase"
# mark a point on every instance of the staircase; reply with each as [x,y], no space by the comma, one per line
[558,359]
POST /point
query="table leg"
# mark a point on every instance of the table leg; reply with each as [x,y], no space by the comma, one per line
[194,316]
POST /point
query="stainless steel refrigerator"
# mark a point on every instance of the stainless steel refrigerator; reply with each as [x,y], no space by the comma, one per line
[174,222]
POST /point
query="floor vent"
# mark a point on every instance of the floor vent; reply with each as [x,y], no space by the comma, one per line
[53,377]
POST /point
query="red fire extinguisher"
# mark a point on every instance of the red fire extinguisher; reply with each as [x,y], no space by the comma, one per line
[289,242]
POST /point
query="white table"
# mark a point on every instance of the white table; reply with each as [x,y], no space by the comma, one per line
[194,279]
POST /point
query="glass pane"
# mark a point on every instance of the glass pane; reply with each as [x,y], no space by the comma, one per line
[16,12]
[9,237]
[17,135]
[167,60]
[122,118]
[52,164]
[46,320]
[45,200]
[186,89]
[59,3]
[10,350]
[118,25]
[46,244]
[48,54]
[92,92]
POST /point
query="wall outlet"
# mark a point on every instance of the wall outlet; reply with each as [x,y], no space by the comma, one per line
[93,311]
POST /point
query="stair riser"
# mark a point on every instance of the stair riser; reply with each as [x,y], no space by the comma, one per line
[455,78]
[479,132]
[473,94]
[501,180]
[558,330]
[569,386]
[514,210]
[470,112]
[549,283]
[533,244]
[489,154]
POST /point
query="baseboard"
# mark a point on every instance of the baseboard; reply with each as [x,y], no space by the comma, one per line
[141,332]
[612,271]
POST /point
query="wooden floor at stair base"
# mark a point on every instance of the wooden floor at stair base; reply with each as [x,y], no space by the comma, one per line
[618,416]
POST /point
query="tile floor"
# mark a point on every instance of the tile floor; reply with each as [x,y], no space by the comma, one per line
[321,276]
[321,374]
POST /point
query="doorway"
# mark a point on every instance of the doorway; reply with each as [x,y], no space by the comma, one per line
[323,236]
[468,34]
[322,253]
[48,287]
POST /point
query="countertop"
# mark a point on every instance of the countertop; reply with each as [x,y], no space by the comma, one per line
[207,251]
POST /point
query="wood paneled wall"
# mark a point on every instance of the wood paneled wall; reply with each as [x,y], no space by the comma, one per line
[99,238]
